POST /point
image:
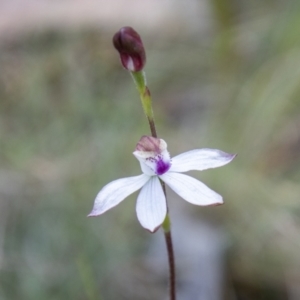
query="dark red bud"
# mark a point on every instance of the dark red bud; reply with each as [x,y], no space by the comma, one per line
[131,49]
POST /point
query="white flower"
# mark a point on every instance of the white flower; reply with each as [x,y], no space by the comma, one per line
[156,164]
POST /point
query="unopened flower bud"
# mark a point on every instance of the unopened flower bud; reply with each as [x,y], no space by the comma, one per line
[131,49]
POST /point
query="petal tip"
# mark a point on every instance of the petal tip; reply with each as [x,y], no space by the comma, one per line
[217,203]
[220,201]
[232,156]
[153,230]
[229,156]
[92,214]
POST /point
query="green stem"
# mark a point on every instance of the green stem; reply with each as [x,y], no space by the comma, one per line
[140,82]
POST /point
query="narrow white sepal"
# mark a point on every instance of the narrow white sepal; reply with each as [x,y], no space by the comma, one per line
[116,191]
[191,189]
[151,207]
[200,159]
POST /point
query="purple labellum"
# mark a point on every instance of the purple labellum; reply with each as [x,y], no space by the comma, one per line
[162,166]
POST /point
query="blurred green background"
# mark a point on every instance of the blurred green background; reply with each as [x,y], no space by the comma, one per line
[70,118]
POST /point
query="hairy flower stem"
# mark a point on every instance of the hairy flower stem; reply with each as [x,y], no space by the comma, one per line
[140,81]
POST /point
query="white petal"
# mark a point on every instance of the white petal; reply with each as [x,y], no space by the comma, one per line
[191,189]
[200,159]
[116,191]
[151,207]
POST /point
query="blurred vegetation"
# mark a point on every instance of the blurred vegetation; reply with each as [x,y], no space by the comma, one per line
[70,118]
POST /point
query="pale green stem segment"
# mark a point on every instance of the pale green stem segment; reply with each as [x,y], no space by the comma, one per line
[141,85]
[166,225]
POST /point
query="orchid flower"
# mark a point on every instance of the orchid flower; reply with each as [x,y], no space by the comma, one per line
[156,165]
